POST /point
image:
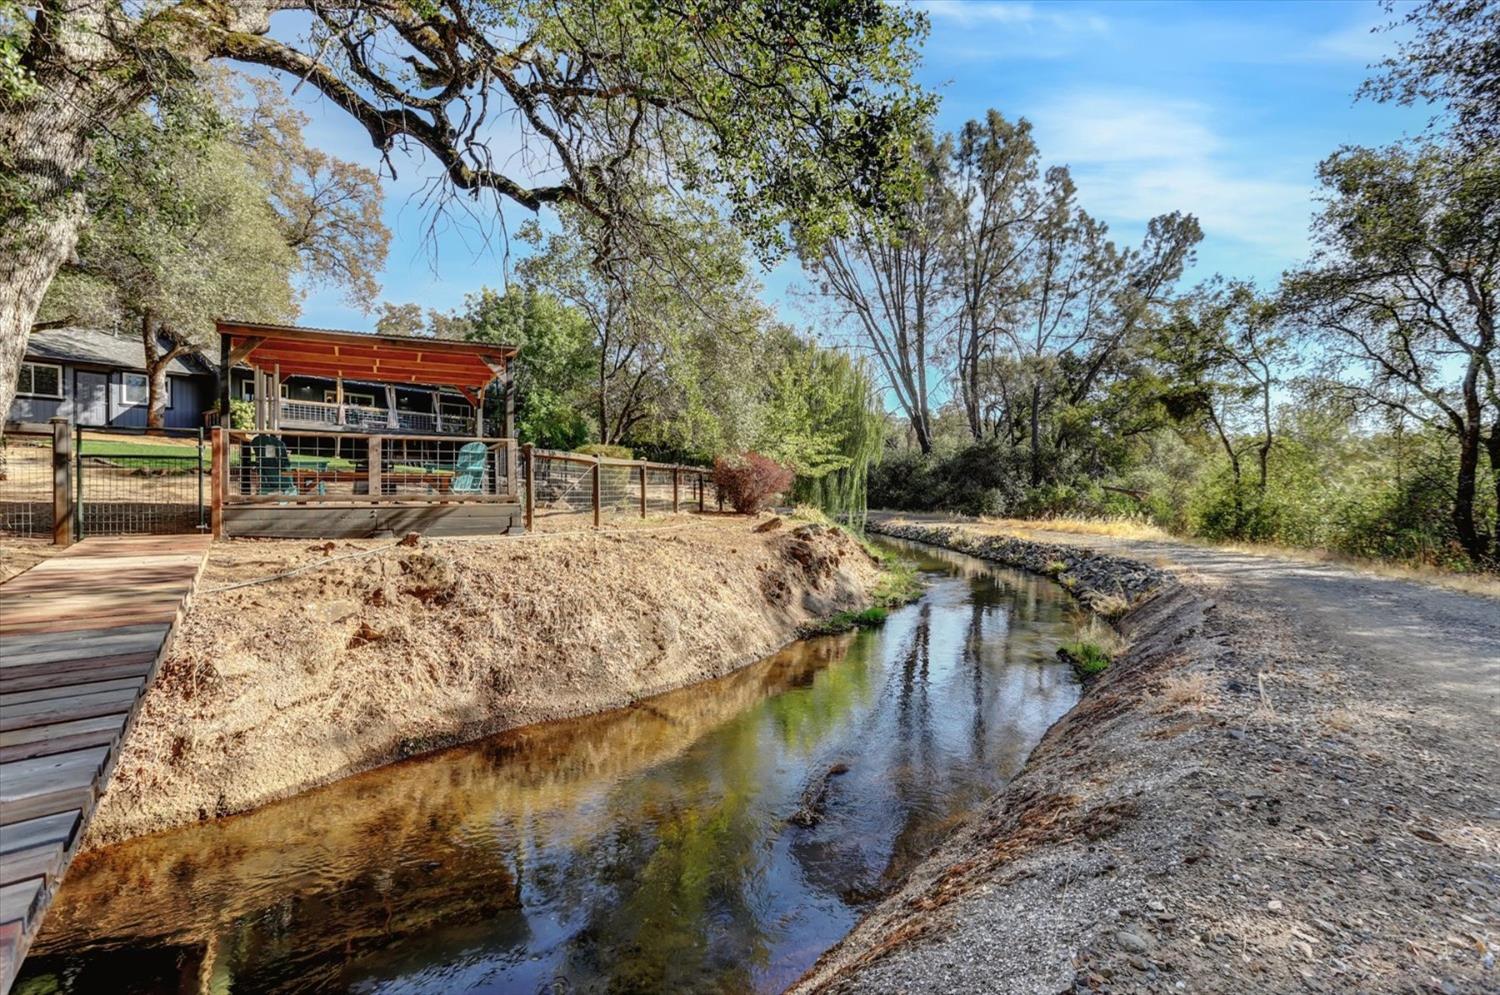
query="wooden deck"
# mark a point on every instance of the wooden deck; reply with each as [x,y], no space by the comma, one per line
[81,636]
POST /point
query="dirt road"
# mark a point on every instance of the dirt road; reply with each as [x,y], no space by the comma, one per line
[1299,775]
[1439,649]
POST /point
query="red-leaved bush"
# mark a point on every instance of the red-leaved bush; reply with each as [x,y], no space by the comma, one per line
[749,480]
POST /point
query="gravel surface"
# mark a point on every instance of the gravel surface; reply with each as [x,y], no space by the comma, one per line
[1286,784]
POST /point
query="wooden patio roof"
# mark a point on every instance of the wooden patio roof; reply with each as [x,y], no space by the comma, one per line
[323,352]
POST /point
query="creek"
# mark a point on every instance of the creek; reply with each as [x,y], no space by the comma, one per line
[715,839]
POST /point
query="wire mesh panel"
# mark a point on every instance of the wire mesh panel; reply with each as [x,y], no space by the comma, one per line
[26,485]
[272,466]
[564,484]
[288,464]
[140,485]
[561,487]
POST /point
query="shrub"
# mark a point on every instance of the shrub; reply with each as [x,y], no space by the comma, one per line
[749,480]
[607,450]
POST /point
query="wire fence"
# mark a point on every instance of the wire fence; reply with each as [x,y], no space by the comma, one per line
[26,484]
[281,467]
[140,485]
[564,484]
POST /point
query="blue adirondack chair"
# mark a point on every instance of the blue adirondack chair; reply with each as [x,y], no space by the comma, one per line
[468,469]
[268,457]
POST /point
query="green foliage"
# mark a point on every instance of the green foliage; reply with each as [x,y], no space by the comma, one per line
[606,450]
[868,618]
[822,418]
[1088,658]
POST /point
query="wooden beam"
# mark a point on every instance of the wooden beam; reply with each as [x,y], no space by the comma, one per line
[239,352]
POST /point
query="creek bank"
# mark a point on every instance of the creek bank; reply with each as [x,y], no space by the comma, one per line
[1240,803]
[274,688]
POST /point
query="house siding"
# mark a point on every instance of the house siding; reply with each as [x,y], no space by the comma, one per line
[191,396]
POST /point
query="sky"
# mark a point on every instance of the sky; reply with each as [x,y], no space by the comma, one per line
[1222,110]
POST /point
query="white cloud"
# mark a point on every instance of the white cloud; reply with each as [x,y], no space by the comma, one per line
[1137,156]
[972,13]
[1355,43]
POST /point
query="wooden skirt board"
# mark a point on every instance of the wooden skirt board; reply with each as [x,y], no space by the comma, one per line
[81,636]
[300,521]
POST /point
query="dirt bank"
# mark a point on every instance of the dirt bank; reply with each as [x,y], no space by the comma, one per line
[277,687]
[1286,784]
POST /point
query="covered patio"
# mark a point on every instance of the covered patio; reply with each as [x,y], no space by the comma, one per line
[364,461]
[387,374]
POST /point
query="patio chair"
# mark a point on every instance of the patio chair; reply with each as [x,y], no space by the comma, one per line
[272,464]
[269,457]
[468,469]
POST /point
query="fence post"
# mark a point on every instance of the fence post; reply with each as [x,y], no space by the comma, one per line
[530,484]
[643,488]
[512,486]
[676,473]
[216,482]
[63,524]
[700,492]
[598,471]
[372,468]
[201,523]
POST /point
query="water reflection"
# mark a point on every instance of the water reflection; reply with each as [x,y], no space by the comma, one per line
[642,850]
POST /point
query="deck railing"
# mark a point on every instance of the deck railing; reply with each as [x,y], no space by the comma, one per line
[311,467]
[322,415]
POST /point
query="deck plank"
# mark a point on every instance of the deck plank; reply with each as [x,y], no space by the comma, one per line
[81,637]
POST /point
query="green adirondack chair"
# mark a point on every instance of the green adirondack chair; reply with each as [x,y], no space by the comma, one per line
[468,469]
[268,456]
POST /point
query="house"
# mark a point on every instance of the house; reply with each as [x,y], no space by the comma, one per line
[320,379]
[97,378]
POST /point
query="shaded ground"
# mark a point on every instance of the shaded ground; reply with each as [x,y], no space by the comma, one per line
[299,663]
[1287,784]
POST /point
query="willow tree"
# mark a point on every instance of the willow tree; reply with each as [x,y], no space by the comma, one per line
[797,112]
[823,419]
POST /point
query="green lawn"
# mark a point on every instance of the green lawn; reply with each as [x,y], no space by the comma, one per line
[154,456]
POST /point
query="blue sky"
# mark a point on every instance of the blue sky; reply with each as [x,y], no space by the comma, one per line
[1219,109]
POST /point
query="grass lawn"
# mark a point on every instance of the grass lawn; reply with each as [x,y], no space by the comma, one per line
[152,455]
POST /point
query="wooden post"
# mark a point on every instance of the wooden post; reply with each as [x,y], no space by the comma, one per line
[676,474]
[511,484]
[372,467]
[63,524]
[530,485]
[598,471]
[643,488]
[226,379]
[276,397]
[218,462]
[700,492]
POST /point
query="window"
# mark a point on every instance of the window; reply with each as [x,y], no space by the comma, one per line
[40,380]
[134,388]
[350,397]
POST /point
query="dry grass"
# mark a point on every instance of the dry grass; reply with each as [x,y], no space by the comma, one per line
[1121,528]
[1181,691]
[303,662]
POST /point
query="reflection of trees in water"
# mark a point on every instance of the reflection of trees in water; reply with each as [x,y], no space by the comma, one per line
[676,911]
[306,941]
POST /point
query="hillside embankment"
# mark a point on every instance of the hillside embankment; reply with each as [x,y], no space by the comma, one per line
[1286,783]
[300,663]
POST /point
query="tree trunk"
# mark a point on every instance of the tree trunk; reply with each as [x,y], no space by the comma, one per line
[34,247]
[1492,444]
[1475,543]
[1036,435]
[44,146]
